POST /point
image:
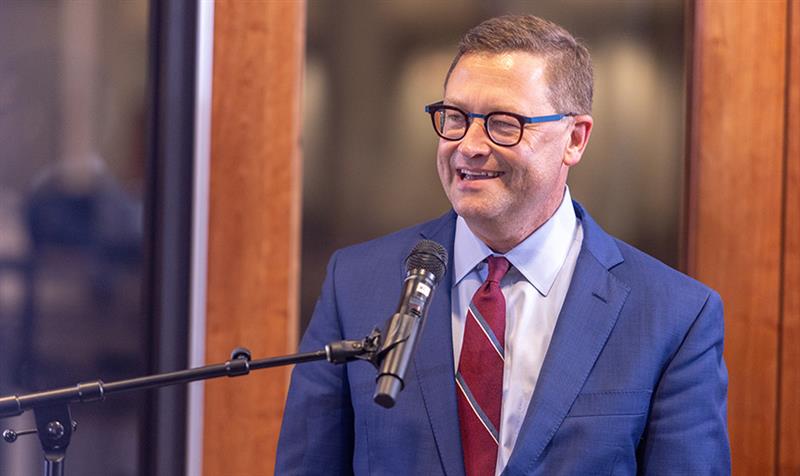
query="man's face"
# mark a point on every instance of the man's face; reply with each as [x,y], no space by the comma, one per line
[491,186]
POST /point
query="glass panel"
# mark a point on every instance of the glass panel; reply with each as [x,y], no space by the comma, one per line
[375,63]
[72,117]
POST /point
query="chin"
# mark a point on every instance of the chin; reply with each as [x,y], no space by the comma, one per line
[474,211]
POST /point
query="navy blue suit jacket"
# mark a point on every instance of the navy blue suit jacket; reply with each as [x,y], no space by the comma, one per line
[633,381]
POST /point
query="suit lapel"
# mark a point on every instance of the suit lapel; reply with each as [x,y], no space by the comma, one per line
[433,359]
[587,318]
[589,313]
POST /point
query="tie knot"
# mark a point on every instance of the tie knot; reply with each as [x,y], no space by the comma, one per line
[498,267]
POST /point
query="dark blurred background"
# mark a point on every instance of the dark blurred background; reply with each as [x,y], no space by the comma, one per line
[375,63]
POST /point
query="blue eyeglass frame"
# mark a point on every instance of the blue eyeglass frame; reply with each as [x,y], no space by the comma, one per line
[437,106]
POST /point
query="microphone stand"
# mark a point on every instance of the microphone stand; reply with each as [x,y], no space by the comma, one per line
[54,423]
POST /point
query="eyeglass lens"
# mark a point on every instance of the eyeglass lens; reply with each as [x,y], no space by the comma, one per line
[452,124]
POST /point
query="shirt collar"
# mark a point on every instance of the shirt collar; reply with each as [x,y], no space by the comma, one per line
[538,258]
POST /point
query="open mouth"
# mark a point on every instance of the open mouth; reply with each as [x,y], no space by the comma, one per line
[466,174]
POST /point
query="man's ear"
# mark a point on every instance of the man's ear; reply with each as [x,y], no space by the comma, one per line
[579,137]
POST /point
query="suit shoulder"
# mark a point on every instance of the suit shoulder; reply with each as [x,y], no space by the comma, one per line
[647,274]
[393,247]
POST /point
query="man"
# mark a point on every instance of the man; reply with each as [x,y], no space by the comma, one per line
[549,347]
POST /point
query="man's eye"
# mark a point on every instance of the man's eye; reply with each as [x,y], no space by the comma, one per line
[504,124]
[454,118]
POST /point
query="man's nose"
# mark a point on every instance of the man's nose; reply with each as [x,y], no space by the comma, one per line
[475,142]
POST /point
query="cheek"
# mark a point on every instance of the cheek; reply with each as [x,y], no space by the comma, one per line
[443,153]
[540,159]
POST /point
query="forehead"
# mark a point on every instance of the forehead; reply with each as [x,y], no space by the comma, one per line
[512,81]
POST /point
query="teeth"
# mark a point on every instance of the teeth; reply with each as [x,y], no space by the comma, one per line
[476,175]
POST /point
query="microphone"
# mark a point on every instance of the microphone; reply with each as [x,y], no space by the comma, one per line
[425,267]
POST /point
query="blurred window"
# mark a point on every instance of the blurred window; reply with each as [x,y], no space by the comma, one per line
[72,124]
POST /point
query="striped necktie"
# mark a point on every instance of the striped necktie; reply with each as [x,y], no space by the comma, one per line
[480,373]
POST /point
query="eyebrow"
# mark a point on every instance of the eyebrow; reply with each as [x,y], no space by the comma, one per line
[460,105]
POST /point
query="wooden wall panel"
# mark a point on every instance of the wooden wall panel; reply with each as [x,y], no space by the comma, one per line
[735,203]
[789,417]
[254,225]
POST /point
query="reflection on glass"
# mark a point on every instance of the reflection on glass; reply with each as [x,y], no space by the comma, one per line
[72,127]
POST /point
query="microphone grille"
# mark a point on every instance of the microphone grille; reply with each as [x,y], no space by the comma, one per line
[430,256]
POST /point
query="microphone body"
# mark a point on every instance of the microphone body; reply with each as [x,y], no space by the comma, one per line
[425,267]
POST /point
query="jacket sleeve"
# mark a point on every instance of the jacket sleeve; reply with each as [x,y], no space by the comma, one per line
[687,428]
[317,431]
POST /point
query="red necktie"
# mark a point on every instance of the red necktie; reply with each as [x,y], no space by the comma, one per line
[480,373]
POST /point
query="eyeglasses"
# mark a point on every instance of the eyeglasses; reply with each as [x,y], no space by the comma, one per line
[503,128]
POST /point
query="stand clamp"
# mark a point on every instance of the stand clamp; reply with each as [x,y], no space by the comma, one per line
[10,436]
[344,351]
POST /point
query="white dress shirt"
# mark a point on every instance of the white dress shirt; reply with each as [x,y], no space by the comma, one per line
[534,288]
